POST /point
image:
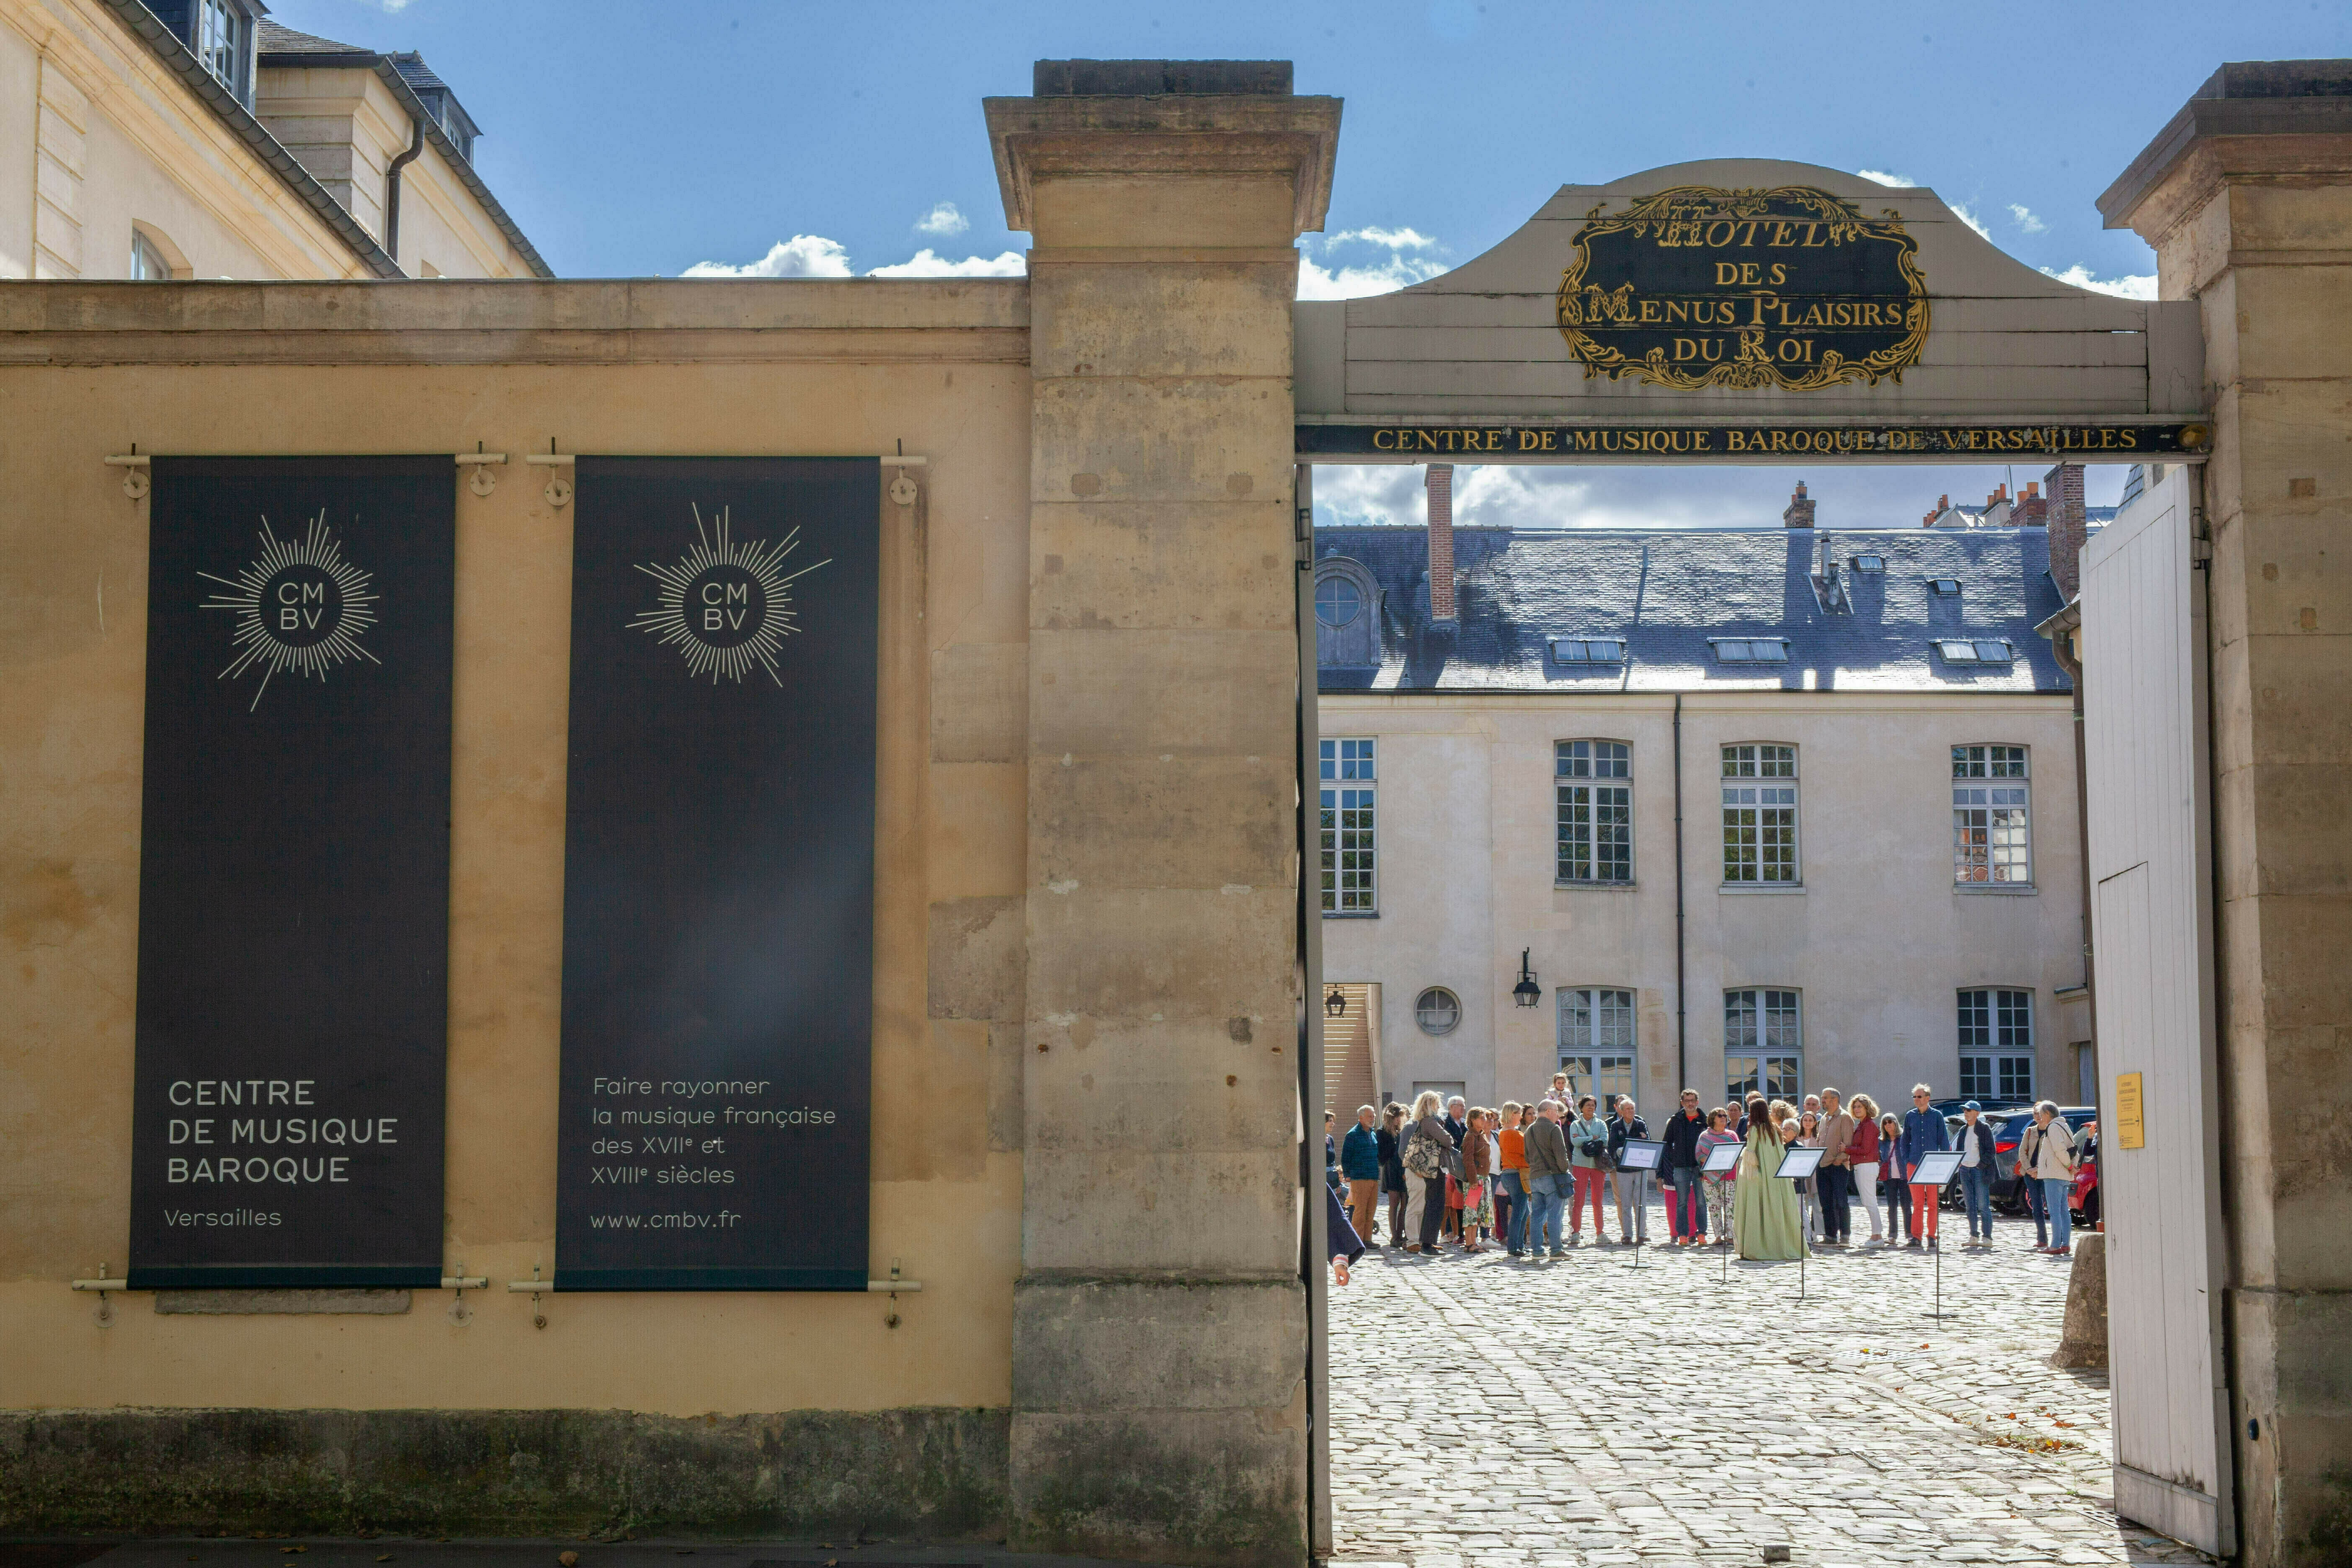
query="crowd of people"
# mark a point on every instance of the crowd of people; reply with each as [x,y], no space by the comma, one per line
[1523,1176]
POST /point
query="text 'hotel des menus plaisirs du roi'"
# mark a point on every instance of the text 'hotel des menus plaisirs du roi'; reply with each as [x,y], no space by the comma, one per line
[1790,290]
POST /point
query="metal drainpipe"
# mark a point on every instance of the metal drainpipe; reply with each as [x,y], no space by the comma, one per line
[392,190]
[1682,1006]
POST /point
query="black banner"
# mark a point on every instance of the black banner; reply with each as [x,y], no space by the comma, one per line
[719,875]
[294,874]
[1757,441]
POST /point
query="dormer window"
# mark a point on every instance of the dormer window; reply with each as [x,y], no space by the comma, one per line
[1943,585]
[1750,651]
[1870,563]
[1957,650]
[221,38]
[1588,651]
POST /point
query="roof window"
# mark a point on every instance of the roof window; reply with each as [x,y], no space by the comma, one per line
[1869,563]
[1750,651]
[1961,650]
[1588,651]
[1943,584]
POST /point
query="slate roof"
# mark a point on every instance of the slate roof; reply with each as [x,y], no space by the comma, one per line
[1666,592]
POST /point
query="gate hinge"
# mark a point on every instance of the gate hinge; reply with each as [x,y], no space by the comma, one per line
[2200,550]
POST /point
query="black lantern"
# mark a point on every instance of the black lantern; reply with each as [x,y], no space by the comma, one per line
[1335,1004]
[1527,992]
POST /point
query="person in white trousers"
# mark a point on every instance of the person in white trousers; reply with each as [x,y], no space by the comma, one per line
[1865,1171]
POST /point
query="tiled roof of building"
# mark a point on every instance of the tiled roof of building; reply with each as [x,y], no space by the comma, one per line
[1667,591]
[276,38]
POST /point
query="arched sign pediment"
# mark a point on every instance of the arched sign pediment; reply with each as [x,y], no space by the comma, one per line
[1753,296]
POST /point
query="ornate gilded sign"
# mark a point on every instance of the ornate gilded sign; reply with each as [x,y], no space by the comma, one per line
[1791,288]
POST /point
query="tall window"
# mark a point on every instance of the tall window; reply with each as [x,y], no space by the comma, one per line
[1347,807]
[1763,1045]
[1596,1043]
[1997,1046]
[1759,813]
[1596,811]
[220,43]
[1992,841]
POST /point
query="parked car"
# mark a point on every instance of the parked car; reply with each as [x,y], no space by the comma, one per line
[2008,1192]
[2085,1199]
[1953,1198]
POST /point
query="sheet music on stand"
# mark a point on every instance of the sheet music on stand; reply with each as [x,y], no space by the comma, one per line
[1724,1161]
[1640,1155]
[1935,1170]
[1796,1165]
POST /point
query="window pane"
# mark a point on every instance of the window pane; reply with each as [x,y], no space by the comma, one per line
[1739,1020]
[1976,1077]
[2016,1079]
[1782,1078]
[1336,600]
[1575,832]
[1741,1079]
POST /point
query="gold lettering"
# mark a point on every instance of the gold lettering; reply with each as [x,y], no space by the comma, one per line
[1780,233]
[1791,349]
[1761,301]
[1726,273]
[1812,230]
[1583,439]
[1779,440]
[1750,238]
[1548,440]
[1649,310]
[1728,229]
[1526,440]
[1699,437]
[1388,446]
[2131,438]
[1685,349]
[1779,271]
[1677,310]
[1710,349]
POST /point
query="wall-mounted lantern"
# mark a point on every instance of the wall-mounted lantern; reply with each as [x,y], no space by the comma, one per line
[1335,1004]
[1527,992]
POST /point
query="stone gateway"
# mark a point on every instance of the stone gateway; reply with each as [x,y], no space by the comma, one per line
[1070,1251]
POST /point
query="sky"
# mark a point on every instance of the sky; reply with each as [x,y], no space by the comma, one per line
[634,138]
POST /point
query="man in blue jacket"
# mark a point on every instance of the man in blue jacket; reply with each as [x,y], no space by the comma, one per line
[1360,1164]
[1924,1132]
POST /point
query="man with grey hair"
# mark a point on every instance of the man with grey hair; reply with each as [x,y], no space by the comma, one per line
[1633,1186]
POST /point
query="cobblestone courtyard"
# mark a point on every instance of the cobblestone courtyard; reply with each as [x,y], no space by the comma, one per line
[1577,1413]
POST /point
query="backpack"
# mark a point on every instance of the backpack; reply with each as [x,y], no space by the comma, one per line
[1420,1157]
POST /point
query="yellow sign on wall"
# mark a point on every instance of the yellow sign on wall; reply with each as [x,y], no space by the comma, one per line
[2131,1129]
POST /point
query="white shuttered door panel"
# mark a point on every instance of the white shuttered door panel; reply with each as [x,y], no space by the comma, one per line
[2144,661]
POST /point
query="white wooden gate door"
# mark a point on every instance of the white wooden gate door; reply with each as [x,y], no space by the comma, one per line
[2152,923]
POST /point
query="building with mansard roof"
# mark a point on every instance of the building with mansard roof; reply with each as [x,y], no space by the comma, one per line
[1760,809]
[196,139]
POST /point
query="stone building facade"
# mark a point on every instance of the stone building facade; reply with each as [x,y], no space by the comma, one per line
[196,139]
[1906,905]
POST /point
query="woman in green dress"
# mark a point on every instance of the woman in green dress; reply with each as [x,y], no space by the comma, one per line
[1766,1217]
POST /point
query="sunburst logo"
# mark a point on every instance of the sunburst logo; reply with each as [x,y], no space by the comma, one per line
[726,606]
[299,606]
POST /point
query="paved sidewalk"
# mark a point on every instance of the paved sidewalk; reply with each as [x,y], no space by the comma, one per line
[1487,1411]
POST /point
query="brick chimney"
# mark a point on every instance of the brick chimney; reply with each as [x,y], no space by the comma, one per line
[1999,512]
[1800,509]
[2066,525]
[2032,508]
[1438,479]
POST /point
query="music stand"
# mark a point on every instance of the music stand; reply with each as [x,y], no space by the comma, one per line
[1639,1154]
[1723,1162]
[1796,1165]
[1937,1170]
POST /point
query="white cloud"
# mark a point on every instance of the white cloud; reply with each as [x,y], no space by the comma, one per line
[1390,238]
[803,256]
[2025,219]
[2132,286]
[1905,181]
[927,263]
[1967,215]
[943,220]
[1355,280]
[1319,282]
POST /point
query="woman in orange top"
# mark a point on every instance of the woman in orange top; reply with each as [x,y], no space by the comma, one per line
[1511,1182]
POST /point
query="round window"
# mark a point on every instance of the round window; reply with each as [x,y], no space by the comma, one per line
[1336,600]
[1438,1011]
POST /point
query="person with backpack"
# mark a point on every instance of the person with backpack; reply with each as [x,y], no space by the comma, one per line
[2045,1155]
[1427,1147]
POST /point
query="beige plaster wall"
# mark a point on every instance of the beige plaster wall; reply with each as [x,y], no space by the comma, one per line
[1878,942]
[790,368]
[122,141]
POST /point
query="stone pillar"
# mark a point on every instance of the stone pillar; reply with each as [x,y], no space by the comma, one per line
[2247,197]
[1159,1327]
